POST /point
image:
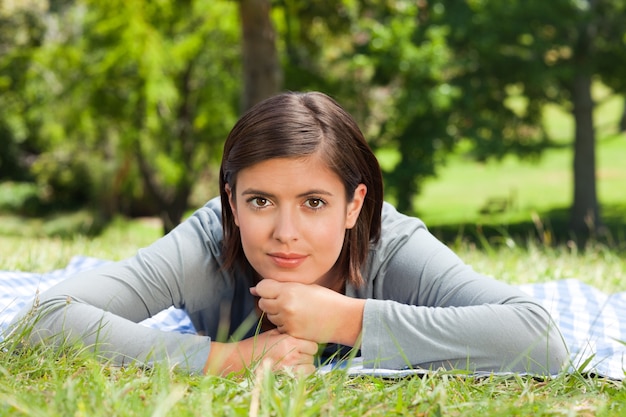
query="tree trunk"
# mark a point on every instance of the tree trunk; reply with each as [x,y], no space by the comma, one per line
[172,214]
[262,74]
[585,213]
[171,201]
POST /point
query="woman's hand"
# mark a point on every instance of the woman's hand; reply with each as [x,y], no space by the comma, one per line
[311,312]
[282,350]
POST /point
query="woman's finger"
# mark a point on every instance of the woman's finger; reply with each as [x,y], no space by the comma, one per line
[266,288]
[268,306]
[276,320]
[310,348]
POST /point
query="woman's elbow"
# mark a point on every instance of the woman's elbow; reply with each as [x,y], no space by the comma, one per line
[39,320]
[548,350]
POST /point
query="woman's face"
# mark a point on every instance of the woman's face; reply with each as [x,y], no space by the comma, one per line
[292,214]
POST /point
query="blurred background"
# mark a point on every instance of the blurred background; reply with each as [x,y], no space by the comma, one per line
[489,117]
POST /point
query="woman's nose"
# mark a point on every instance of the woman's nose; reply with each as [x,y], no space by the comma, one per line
[286,228]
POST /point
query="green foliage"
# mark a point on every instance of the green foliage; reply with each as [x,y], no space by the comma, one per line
[528,49]
[143,92]
[21,32]
[421,100]
[519,56]
[161,88]
[147,91]
[365,54]
[63,177]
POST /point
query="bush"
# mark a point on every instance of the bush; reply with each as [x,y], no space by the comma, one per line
[64,179]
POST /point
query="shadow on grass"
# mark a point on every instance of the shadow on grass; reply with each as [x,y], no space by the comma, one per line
[24,213]
[548,228]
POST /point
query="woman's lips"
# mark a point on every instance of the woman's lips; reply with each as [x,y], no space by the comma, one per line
[287,260]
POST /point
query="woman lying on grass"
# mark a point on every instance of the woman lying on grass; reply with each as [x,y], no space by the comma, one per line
[298,251]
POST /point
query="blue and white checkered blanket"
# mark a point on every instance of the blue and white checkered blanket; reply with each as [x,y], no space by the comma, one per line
[593,323]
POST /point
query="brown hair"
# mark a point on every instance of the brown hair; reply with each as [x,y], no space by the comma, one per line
[292,125]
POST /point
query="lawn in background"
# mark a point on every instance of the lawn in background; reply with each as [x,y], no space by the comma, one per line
[512,191]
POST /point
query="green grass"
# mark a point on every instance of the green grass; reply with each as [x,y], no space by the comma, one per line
[463,187]
[536,195]
[41,383]
[40,253]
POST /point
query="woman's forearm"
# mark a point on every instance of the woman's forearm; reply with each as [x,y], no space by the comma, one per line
[349,321]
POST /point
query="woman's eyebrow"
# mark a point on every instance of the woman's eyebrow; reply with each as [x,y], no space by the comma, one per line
[315,191]
[252,191]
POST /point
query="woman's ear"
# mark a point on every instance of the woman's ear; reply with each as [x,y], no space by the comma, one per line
[231,202]
[354,206]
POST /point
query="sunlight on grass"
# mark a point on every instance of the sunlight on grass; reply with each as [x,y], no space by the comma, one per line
[119,240]
[464,188]
[597,265]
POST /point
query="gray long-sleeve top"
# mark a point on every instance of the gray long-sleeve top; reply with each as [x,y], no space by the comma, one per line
[424,306]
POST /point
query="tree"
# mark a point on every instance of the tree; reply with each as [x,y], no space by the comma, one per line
[540,52]
[364,54]
[153,85]
[262,75]
[409,69]
[21,33]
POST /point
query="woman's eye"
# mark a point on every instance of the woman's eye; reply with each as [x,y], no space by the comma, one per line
[314,203]
[259,202]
